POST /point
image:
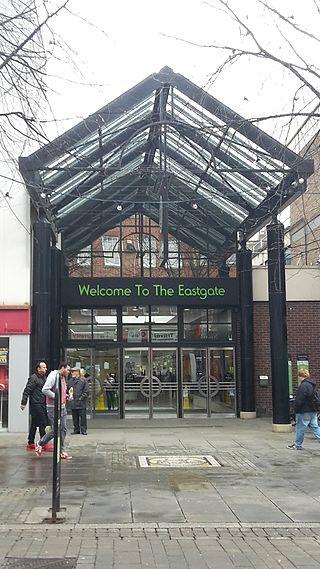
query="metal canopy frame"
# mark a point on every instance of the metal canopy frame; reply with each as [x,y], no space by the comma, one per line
[237,175]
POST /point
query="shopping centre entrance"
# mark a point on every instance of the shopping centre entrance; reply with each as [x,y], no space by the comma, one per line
[143,213]
[182,381]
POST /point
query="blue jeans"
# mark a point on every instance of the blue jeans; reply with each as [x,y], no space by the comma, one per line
[48,436]
[304,420]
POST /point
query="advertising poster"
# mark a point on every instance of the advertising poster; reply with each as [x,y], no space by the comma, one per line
[302,363]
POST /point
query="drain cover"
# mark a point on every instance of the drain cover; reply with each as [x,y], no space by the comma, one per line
[32,563]
[177,461]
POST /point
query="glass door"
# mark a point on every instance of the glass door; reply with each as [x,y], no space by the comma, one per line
[208,380]
[105,386]
[136,370]
[223,398]
[100,368]
[139,383]
[164,381]
[194,380]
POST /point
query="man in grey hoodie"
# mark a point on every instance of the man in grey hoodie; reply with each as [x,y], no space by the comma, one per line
[306,413]
[49,391]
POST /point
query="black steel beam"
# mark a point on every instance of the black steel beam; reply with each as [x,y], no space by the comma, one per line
[195,136]
[223,190]
[85,237]
[105,115]
[85,211]
[85,164]
[240,124]
[220,221]
[96,178]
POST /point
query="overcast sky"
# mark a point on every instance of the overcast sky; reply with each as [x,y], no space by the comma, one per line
[116,44]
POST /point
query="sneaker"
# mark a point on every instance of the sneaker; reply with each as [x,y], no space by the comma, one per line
[38,449]
[293,447]
[65,456]
[31,446]
[48,447]
[84,433]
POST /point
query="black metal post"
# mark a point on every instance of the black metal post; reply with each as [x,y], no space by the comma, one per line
[278,326]
[41,292]
[56,465]
[56,268]
[244,269]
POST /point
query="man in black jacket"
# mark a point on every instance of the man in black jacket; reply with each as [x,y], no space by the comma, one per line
[78,390]
[37,404]
[306,413]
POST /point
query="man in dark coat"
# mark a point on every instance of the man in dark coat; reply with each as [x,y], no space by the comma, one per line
[37,404]
[306,413]
[78,390]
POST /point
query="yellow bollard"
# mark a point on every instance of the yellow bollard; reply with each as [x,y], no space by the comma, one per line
[185,395]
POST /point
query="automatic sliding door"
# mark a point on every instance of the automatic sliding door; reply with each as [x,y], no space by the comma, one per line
[194,380]
[105,385]
[136,380]
[164,381]
[208,380]
[223,395]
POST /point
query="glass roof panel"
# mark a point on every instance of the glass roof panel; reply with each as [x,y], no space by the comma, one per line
[108,132]
[256,157]
[221,202]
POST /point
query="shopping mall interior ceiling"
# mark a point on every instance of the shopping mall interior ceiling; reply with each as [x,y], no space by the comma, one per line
[167,150]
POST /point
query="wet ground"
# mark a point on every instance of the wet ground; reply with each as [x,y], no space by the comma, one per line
[249,482]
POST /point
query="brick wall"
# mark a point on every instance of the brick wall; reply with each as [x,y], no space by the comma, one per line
[303,338]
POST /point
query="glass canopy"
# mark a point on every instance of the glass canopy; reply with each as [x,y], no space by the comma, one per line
[226,175]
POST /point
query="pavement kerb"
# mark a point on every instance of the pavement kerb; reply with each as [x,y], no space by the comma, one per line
[243,525]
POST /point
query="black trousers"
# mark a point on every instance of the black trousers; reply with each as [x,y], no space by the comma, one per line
[39,420]
[79,418]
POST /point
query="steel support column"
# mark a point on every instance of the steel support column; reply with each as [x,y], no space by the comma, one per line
[56,267]
[278,327]
[41,292]
[244,268]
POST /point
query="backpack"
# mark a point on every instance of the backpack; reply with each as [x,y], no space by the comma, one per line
[315,400]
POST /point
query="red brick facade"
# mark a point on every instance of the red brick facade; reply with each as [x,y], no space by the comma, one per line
[303,338]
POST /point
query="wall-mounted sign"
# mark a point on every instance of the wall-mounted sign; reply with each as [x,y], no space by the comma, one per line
[126,291]
[263,380]
[15,321]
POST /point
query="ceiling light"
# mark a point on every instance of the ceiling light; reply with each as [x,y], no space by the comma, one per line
[119,207]
[194,205]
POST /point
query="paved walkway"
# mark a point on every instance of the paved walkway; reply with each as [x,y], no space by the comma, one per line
[252,503]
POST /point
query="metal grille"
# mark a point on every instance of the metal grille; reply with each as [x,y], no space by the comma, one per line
[44,563]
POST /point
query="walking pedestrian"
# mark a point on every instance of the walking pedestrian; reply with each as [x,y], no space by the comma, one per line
[49,390]
[305,410]
[37,405]
[79,390]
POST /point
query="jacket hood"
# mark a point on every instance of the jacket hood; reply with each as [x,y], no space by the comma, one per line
[310,380]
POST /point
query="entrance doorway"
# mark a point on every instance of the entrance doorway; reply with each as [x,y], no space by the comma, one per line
[100,367]
[150,381]
[208,380]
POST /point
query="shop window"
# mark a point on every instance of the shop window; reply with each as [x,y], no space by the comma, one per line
[110,246]
[4,382]
[105,324]
[204,324]
[135,334]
